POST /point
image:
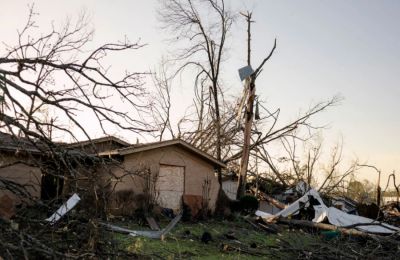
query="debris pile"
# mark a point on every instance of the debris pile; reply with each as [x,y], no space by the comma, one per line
[391,213]
[310,213]
[68,233]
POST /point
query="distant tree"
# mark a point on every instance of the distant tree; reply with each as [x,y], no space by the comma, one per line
[361,191]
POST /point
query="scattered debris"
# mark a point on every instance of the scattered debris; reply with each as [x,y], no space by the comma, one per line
[169,213]
[152,223]
[345,204]
[150,234]
[206,237]
[230,235]
[186,233]
[227,247]
[262,225]
[263,214]
[70,204]
[370,211]
[392,209]
[335,216]
[330,234]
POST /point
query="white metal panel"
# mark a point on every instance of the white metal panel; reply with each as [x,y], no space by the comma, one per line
[230,188]
[170,186]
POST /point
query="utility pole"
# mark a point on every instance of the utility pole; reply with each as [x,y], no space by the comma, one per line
[250,83]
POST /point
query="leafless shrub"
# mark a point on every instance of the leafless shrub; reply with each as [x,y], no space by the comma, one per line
[125,201]
[206,189]
[150,192]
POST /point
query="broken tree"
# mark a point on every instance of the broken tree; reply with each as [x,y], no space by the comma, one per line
[250,85]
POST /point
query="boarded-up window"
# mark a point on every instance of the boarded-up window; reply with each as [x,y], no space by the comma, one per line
[170,186]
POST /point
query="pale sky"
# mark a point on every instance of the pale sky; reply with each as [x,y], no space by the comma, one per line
[351,48]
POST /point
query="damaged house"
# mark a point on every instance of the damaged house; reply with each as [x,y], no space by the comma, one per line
[170,172]
[18,170]
[167,173]
[29,171]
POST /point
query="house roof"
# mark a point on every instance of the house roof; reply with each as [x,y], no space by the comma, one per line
[9,142]
[150,146]
[99,140]
[12,143]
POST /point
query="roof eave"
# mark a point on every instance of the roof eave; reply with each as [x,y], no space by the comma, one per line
[107,153]
[99,140]
[130,150]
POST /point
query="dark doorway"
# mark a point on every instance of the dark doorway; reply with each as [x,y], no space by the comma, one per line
[52,186]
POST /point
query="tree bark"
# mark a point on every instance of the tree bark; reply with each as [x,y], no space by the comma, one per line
[250,83]
[247,134]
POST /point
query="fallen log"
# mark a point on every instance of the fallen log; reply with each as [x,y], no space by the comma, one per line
[323,226]
[269,228]
[274,202]
[345,231]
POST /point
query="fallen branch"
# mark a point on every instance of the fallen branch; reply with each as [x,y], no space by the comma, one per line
[150,234]
[323,226]
[234,248]
[275,202]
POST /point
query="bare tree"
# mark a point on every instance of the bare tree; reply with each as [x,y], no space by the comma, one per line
[51,87]
[204,138]
[335,176]
[378,184]
[360,191]
[31,72]
[302,170]
[274,130]
[204,40]
[301,160]
[397,187]
[200,29]
[161,102]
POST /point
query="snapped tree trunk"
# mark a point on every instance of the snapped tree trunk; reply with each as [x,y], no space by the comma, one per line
[250,84]
[247,134]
